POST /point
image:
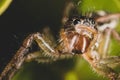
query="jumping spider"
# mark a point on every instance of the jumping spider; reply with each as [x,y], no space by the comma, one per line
[80,35]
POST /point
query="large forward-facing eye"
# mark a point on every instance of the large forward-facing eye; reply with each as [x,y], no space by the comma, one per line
[76,21]
[83,20]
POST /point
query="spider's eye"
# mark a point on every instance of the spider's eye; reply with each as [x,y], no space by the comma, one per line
[82,20]
[91,21]
[77,21]
[86,22]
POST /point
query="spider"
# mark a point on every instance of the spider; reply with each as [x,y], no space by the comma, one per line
[84,36]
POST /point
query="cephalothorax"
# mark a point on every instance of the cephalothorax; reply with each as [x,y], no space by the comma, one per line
[80,35]
[77,34]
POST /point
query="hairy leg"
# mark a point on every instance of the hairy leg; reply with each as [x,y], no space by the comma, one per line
[102,68]
[23,53]
[104,43]
[108,17]
[17,60]
[38,56]
[104,64]
[116,35]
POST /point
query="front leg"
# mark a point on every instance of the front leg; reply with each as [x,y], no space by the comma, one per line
[105,64]
[102,68]
[23,53]
[17,60]
[105,70]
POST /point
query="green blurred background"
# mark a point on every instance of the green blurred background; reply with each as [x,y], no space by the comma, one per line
[23,17]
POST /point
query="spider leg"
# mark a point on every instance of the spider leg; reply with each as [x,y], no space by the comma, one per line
[116,35]
[107,66]
[99,60]
[49,50]
[17,60]
[112,61]
[108,17]
[20,57]
[69,6]
[23,53]
[104,43]
[102,68]
[110,22]
[38,56]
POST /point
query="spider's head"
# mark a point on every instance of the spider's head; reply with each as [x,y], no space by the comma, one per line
[79,32]
[80,24]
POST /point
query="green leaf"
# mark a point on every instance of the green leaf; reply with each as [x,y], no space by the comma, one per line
[4,5]
[92,5]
